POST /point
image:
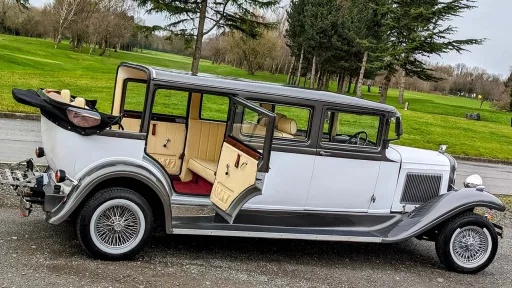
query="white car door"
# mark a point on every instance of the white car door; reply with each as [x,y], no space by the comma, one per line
[348,162]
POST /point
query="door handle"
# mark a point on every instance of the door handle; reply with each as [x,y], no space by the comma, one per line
[323,153]
[166,142]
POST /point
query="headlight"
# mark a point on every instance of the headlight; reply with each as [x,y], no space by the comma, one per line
[473,181]
[83,118]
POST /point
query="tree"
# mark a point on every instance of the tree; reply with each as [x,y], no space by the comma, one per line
[252,52]
[193,19]
[64,11]
[365,22]
[314,35]
[508,85]
[417,29]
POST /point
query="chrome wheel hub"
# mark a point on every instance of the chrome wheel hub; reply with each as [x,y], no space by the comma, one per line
[470,246]
[117,226]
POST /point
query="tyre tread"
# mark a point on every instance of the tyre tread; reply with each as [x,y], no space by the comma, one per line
[101,197]
[444,238]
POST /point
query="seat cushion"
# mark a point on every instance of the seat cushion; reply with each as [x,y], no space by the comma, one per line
[203,168]
[287,125]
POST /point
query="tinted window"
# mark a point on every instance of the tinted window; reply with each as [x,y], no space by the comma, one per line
[135,95]
[214,108]
[171,102]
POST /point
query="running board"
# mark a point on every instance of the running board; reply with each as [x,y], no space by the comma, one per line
[273,235]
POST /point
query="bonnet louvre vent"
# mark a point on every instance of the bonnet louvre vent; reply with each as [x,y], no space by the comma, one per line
[420,188]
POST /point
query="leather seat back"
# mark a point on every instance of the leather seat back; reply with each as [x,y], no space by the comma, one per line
[287,126]
[204,141]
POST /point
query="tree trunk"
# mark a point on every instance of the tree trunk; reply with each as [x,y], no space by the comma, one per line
[92,47]
[290,72]
[327,81]
[355,85]
[359,92]
[199,38]
[59,38]
[313,71]
[300,66]
[349,86]
[385,87]
[402,88]
[341,82]
[104,49]
[319,79]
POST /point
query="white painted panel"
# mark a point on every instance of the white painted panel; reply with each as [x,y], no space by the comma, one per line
[417,168]
[385,188]
[72,152]
[287,183]
[340,184]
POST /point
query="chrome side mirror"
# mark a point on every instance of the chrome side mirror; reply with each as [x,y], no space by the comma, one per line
[473,181]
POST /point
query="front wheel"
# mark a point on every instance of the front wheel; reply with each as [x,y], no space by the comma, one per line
[467,243]
[115,224]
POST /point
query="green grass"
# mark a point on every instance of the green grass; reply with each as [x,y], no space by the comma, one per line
[431,120]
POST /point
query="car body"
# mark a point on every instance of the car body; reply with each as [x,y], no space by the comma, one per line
[209,155]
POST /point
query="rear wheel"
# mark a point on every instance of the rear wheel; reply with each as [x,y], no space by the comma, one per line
[467,243]
[114,224]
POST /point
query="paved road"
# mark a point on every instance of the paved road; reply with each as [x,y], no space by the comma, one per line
[36,254]
[18,138]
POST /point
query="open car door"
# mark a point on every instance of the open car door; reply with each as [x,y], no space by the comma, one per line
[244,158]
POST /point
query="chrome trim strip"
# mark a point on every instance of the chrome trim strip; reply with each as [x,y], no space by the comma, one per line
[277,235]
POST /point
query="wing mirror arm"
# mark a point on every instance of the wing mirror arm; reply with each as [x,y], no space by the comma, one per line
[399,131]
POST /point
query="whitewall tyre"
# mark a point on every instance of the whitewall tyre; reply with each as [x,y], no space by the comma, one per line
[467,243]
[115,224]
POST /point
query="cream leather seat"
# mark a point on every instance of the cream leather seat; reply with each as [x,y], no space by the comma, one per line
[79,102]
[202,152]
[287,127]
[203,168]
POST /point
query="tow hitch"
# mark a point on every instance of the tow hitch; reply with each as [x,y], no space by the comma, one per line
[27,183]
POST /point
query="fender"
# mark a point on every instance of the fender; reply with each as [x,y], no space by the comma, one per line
[114,168]
[438,210]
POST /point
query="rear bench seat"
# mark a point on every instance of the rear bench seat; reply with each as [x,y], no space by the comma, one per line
[202,152]
[205,140]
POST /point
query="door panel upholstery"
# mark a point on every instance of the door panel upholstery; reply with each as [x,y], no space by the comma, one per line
[130,124]
[204,142]
[168,156]
[231,182]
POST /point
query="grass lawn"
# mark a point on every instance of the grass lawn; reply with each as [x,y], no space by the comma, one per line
[431,120]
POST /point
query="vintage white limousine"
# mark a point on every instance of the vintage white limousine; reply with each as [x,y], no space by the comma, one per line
[207,155]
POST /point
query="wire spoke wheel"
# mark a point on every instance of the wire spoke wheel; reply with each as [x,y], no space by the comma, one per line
[117,226]
[470,246]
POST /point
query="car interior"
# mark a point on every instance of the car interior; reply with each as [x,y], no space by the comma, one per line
[187,138]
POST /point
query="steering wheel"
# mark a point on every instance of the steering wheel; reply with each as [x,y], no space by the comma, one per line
[356,137]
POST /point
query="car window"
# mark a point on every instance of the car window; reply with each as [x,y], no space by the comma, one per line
[214,108]
[355,129]
[291,122]
[171,102]
[134,97]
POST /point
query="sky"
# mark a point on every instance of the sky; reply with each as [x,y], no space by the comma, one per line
[490,20]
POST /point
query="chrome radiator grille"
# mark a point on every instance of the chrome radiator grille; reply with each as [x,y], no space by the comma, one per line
[420,188]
